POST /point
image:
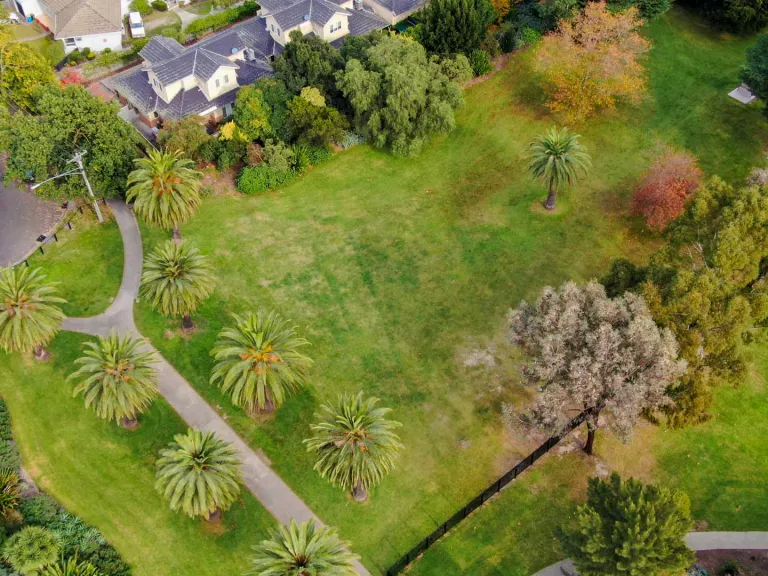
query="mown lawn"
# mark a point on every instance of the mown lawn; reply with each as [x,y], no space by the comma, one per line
[400,270]
[86,263]
[105,474]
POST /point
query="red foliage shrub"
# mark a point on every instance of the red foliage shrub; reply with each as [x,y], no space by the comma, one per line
[669,183]
[69,76]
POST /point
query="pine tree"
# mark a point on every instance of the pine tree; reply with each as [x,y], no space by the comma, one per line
[629,529]
[455,26]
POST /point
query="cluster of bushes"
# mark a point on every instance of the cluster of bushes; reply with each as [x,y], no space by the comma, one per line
[41,519]
[160,6]
[277,164]
[141,6]
[78,56]
[222,19]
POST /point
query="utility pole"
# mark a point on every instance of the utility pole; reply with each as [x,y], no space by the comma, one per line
[78,159]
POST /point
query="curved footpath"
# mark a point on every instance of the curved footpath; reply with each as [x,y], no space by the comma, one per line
[698,541]
[261,480]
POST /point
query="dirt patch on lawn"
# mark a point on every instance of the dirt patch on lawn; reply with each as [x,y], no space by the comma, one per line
[749,562]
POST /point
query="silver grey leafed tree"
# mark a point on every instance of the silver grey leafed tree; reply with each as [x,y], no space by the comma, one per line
[176,279]
[258,363]
[303,550]
[557,158]
[594,353]
[116,378]
[355,442]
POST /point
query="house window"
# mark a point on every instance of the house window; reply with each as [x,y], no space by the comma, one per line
[69,41]
[278,31]
[78,39]
[226,79]
[273,27]
[217,83]
[336,26]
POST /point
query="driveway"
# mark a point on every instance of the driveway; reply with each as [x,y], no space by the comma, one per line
[23,217]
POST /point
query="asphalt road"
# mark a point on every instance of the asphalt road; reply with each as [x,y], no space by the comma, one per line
[23,217]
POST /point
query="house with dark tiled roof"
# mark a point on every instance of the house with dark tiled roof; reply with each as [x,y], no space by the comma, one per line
[175,81]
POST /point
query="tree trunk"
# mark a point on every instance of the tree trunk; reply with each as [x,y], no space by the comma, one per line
[176,235]
[551,197]
[186,323]
[214,516]
[129,423]
[591,433]
[359,493]
[41,354]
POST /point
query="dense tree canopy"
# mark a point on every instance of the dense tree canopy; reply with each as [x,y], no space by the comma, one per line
[451,26]
[252,113]
[71,119]
[308,61]
[593,62]
[186,136]
[629,529]
[594,352]
[399,96]
[310,121]
[734,15]
[755,71]
[648,9]
[22,70]
[707,286]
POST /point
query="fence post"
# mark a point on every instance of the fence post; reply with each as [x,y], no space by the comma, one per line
[41,249]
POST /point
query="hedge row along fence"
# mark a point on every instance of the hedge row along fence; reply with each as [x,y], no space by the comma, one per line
[484,496]
[229,16]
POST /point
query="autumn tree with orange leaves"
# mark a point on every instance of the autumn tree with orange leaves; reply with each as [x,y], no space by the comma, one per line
[669,183]
[593,62]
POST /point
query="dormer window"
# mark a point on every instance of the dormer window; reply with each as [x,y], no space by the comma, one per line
[336,26]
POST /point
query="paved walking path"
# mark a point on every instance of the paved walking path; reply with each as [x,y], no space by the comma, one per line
[695,540]
[260,479]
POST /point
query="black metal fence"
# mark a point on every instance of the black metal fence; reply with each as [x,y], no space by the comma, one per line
[484,496]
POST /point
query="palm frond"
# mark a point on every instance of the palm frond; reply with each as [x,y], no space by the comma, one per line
[29,312]
[558,158]
[303,549]
[198,473]
[176,278]
[258,363]
[116,377]
[355,442]
[165,188]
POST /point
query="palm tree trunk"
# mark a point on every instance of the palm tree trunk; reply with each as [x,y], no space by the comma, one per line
[129,423]
[359,493]
[591,433]
[186,323]
[214,516]
[41,354]
[551,197]
[176,235]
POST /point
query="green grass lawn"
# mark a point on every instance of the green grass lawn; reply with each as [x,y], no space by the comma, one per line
[105,474]
[397,270]
[201,8]
[87,264]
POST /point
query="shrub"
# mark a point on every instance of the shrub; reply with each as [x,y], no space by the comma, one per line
[526,37]
[55,52]
[696,570]
[9,454]
[665,188]
[277,156]
[300,159]
[253,180]
[254,155]
[351,139]
[106,51]
[222,19]
[209,150]
[141,6]
[318,154]
[480,62]
[31,549]
[730,568]
[207,190]
[90,56]
[160,6]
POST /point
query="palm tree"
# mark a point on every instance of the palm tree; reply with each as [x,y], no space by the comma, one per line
[10,492]
[117,378]
[557,158]
[199,473]
[301,550]
[176,279]
[71,567]
[29,315]
[356,444]
[257,362]
[31,549]
[165,188]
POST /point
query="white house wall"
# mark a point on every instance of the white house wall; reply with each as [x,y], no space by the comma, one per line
[97,42]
